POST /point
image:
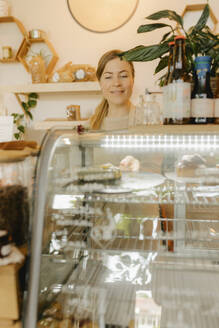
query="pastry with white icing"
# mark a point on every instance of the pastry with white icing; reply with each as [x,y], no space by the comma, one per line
[189,164]
[129,164]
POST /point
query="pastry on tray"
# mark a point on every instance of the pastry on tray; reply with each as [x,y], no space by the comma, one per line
[129,164]
[98,174]
[189,164]
[54,311]
[48,323]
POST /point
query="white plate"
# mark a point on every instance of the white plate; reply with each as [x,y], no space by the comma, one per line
[141,181]
[135,182]
[174,176]
[113,191]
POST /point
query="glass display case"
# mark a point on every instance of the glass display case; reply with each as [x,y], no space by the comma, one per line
[125,230]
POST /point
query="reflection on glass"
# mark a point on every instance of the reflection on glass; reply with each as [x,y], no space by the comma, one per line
[147,312]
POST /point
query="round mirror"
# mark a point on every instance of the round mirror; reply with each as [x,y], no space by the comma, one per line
[102,15]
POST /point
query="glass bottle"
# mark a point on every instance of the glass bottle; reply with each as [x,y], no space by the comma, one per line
[147,112]
[181,88]
[216,103]
[152,112]
[167,113]
[139,113]
[202,95]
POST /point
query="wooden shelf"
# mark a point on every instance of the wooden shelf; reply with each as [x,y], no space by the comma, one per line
[71,87]
[11,19]
[9,60]
[21,28]
[36,40]
[175,129]
[26,47]
[199,8]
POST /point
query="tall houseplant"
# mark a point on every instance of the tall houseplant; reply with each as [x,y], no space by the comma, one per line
[199,41]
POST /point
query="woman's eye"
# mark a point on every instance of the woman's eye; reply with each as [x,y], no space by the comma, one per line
[124,76]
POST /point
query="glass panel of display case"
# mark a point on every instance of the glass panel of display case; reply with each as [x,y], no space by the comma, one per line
[125,231]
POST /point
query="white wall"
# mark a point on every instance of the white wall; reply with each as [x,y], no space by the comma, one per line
[74,43]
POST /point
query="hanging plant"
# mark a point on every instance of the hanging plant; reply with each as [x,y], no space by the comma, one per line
[20,119]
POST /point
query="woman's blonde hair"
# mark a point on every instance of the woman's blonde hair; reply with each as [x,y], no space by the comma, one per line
[102,109]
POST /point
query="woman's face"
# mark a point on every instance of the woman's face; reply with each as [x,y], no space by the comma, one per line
[117,82]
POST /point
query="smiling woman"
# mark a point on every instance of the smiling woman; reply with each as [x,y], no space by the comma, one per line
[116,78]
[102,15]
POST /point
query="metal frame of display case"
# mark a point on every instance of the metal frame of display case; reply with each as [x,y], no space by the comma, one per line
[47,150]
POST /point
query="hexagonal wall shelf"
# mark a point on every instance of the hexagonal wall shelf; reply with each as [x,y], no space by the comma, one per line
[42,46]
[192,13]
[7,24]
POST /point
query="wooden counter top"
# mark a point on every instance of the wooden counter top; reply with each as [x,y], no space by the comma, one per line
[175,129]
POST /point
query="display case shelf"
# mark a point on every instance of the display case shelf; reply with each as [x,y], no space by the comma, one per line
[210,198]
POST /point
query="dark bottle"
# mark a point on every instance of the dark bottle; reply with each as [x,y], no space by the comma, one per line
[217,89]
[179,72]
[216,103]
[170,63]
[181,87]
[167,109]
[202,95]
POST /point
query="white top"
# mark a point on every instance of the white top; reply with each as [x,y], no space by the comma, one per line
[119,123]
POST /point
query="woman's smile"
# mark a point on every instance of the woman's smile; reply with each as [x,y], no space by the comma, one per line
[117,91]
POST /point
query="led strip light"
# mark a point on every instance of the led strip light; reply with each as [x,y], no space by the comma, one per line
[199,142]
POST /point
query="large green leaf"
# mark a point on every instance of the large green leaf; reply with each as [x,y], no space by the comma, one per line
[162,80]
[163,63]
[17,136]
[206,29]
[170,14]
[24,105]
[151,27]
[208,36]
[204,43]
[165,36]
[142,53]
[21,128]
[15,115]
[29,114]
[32,103]
[203,19]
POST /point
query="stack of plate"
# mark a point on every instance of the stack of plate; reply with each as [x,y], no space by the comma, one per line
[4,8]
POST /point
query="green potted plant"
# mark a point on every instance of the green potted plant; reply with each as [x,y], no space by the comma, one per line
[199,41]
[20,119]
